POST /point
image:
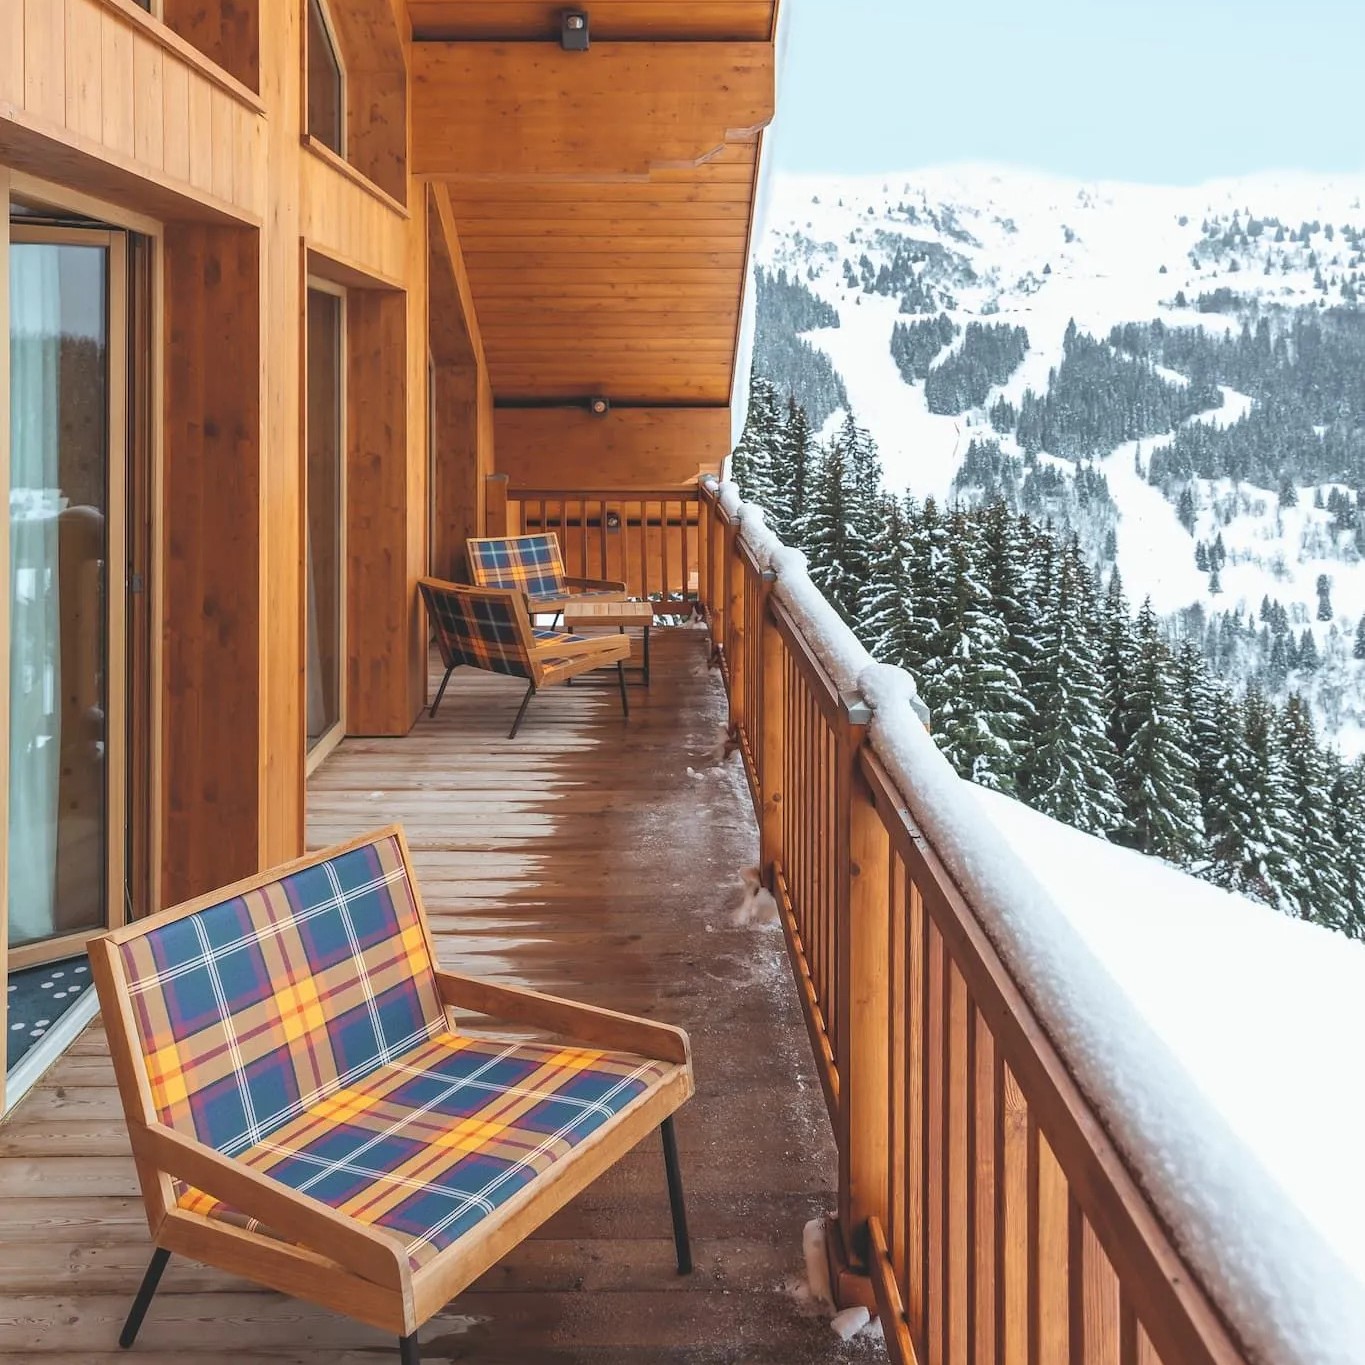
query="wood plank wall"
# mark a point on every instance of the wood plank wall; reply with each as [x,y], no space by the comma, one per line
[630,447]
[100,97]
[197,125]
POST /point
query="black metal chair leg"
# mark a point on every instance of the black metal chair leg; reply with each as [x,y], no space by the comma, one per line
[525,702]
[681,1241]
[621,678]
[408,1351]
[144,1297]
[441,691]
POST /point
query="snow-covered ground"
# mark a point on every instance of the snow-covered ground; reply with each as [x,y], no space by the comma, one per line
[1037,252]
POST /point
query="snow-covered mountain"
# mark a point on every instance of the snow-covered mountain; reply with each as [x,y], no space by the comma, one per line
[1005,247]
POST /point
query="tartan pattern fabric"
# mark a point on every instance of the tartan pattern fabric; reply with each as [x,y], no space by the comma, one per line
[547,639]
[252,1012]
[435,1140]
[477,628]
[531,563]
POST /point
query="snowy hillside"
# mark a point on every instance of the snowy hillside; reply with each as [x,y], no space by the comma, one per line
[1012,249]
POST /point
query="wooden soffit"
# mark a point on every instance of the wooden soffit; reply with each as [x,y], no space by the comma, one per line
[512,111]
[613,21]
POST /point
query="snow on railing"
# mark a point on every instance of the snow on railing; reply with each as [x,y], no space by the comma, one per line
[1213,1037]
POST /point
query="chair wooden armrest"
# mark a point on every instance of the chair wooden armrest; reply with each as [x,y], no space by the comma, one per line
[602,584]
[369,1254]
[568,1018]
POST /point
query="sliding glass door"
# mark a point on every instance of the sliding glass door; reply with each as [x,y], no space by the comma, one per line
[67,645]
[325,485]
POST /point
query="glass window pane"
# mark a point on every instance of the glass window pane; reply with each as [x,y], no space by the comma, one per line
[59,478]
[324,492]
[326,97]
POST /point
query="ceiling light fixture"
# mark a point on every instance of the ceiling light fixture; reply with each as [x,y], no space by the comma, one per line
[599,406]
[573,30]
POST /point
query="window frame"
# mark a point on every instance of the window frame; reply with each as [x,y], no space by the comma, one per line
[335,50]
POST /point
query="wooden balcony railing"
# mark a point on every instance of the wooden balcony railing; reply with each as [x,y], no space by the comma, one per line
[646,538]
[979,1194]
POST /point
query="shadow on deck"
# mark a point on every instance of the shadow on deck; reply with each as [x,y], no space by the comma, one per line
[582,858]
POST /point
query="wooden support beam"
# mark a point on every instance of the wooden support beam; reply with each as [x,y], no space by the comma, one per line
[211,759]
[508,111]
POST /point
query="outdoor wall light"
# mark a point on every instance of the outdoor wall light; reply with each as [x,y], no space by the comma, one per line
[613,521]
[573,30]
[599,406]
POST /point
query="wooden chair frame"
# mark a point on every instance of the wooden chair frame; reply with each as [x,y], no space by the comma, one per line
[547,662]
[334,1261]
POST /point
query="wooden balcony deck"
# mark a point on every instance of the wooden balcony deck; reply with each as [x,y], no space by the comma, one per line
[581,858]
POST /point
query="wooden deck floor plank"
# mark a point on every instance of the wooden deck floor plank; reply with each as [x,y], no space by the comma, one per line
[581,858]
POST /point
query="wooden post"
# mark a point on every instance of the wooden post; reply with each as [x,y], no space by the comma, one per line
[735,626]
[495,515]
[772,692]
[720,577]
[862,910]
[704,505]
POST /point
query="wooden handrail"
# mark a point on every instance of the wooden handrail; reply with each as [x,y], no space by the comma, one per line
[647,538]
[982,1204]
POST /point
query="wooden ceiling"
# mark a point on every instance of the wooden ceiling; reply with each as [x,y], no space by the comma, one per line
[603,199]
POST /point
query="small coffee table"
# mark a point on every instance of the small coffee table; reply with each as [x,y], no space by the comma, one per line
[593,612]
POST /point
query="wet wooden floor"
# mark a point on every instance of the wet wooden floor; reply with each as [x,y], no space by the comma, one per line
[591,857]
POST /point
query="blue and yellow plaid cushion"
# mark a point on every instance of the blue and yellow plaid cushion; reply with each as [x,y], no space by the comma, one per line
[477,630]
[434,1141]
[531,563]
[252,1012]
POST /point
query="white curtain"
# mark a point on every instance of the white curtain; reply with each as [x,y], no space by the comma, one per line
[35,638]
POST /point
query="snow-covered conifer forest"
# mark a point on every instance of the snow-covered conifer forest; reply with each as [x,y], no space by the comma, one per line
[1090,462]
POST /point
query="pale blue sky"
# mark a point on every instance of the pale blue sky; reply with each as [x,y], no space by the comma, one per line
[1168,91]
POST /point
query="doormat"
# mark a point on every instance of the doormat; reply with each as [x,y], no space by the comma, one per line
[37,998]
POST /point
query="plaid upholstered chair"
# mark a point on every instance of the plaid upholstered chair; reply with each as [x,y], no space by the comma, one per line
[534,565]
[490,629]
[304,1112]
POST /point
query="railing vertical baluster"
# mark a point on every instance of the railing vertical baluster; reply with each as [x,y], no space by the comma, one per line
[687,505]
[862,919]
[772,760]
[666,586]
[602,538]
[734,614]
[644,549]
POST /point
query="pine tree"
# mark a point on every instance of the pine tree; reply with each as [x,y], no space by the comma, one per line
[1313,881]
[1156,774]
[884,619]
[828,532]
[979,722]
[1358,652]
[751,464]
[1195,694]
[1268,813]
[864,472]
[1324,596]
[927,605]
[1068,773]
[797,460]
[1348,832]
[1235,838]
[1117,653]
[1006,567]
